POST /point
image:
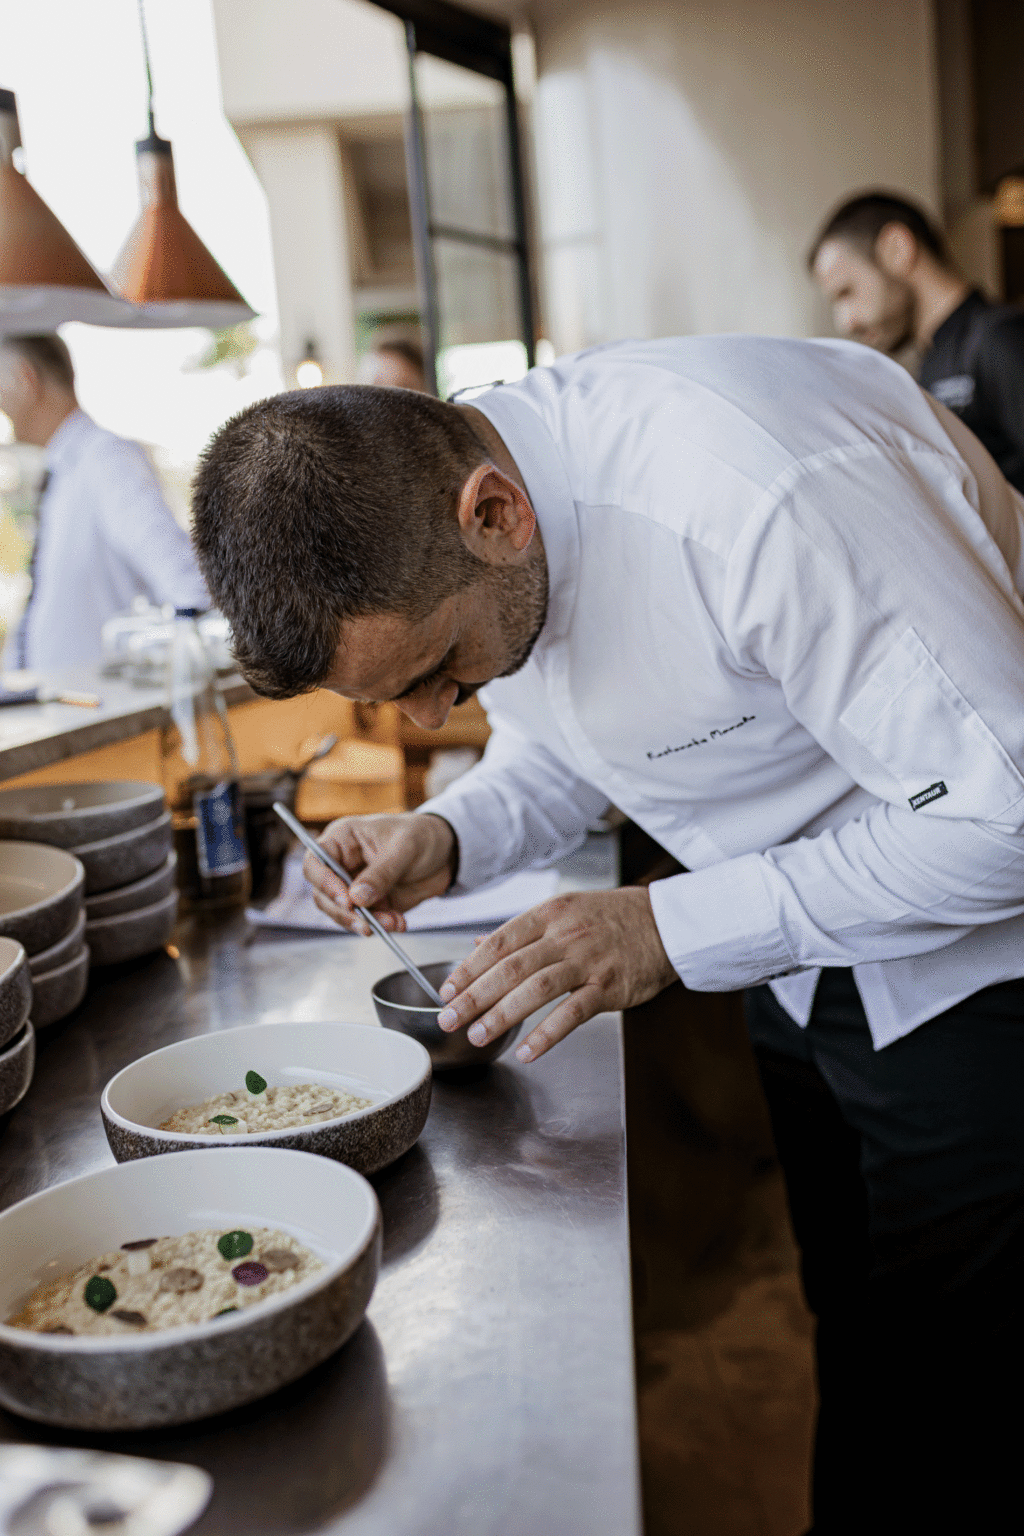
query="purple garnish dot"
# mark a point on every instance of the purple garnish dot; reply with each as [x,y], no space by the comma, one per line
[250,1273]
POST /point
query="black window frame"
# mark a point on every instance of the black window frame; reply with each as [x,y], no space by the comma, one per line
[483,45]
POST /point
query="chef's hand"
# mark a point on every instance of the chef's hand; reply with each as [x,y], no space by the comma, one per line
[399,861]
[602,947]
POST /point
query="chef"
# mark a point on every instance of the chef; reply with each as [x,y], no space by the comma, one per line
[105,533]
[763,595]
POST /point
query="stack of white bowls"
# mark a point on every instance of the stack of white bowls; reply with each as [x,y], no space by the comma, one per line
[41,911]
[121,833]
[17,1041]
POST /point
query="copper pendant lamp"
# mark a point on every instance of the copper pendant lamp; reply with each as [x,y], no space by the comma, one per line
[163,268]
[44,277]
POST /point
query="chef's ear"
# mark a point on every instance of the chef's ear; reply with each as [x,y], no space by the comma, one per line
[495,515]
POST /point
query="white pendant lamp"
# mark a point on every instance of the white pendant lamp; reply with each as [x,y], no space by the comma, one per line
[164,269]
[44,277]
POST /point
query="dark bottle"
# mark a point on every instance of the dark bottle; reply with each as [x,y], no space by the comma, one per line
[200,773]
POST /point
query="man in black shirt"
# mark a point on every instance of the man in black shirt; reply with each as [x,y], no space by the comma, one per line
[883,266]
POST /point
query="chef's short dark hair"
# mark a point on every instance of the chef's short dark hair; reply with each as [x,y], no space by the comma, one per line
[322,505]
[48,355]
[861,220]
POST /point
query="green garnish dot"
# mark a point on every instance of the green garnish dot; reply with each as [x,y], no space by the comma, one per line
[224,1310]
[255,1083]
[99,1292]
[234,1245]
[223,1120]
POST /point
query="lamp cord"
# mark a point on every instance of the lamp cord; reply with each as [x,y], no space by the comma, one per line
[149,71]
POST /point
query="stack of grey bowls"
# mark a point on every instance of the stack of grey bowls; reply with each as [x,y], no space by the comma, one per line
[17,1040]
[41,913]
[121,833]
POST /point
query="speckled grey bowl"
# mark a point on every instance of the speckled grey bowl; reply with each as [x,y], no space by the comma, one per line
[128,857]
[49,959]
[180,1374]
[140,893]
[40,894]
[130,934]
[17,1064]
[390,1070]
[402,1005]
[68,814]
[57,993]
[15,989]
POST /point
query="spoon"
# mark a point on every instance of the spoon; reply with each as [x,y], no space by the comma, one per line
[314,847]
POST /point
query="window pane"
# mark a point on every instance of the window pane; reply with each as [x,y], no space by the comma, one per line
[466,144]
[478,294]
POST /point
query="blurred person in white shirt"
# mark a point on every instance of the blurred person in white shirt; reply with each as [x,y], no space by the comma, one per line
[105,533]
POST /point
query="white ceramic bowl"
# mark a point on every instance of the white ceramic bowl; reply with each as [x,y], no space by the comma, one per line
[57,993]
[68,814]
[186,1373]
[15,989]
[130,934]
[127,857]
[40,893]
[376,1064]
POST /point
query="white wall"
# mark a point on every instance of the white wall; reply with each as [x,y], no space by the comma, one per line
[687,152]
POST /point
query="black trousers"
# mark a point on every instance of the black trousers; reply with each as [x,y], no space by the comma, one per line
[905,1173]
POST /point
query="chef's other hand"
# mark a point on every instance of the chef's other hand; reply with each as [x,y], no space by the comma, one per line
[395,862]
[602,947]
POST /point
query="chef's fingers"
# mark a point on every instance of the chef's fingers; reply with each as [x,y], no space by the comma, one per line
[508,993]
[504,941]
[583,1004]
[345,915]
[502,991]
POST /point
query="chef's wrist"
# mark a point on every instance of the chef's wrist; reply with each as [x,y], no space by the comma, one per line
[453,855]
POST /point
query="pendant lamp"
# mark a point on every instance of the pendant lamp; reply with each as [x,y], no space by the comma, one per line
[163,268]
[44,277]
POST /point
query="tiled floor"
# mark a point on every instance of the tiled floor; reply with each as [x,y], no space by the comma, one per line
[724,1365]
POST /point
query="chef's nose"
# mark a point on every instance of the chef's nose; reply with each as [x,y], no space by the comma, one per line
[429,707]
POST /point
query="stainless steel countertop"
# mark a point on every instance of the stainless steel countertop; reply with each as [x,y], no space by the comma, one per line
[36,735]
[490,1391]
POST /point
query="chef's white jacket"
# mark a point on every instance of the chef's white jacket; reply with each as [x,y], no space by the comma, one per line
[785,637]
[106,536]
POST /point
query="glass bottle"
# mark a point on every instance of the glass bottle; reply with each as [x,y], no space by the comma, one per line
[200,773]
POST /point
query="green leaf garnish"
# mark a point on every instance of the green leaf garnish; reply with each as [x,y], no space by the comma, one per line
[99,1292]
[223,1120]
[255,1083]
[224,1311]
[234,1245]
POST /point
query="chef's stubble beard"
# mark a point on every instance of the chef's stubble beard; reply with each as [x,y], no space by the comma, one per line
[520,597]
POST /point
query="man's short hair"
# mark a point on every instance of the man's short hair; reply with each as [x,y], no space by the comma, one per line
[861,220]
[322,505]
[46,354]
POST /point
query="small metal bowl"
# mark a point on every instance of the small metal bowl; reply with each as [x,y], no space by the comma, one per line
[401,1005]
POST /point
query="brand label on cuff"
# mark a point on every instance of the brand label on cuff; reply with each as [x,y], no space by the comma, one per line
[926,796]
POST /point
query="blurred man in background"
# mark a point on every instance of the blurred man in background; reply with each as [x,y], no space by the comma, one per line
[884,268]
[395,361]
[105,534]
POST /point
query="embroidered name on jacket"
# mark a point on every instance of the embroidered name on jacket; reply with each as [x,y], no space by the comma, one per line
[926,796]
[703,741]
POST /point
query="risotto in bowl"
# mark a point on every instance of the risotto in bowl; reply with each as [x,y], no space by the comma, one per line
[167,1289]
[347,1091]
